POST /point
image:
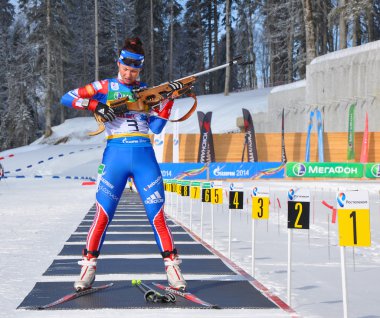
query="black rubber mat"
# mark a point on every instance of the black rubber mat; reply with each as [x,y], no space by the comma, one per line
[113,228]
[140,265]
[120,249]
[131,237]
[226,294]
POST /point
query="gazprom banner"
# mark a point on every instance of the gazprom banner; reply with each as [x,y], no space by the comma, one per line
[186,171]
[246,170]
[324,170]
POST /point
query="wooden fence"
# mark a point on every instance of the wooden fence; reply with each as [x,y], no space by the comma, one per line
[229,147]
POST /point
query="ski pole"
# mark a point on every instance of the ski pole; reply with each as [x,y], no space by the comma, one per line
[167,297]
[149,295]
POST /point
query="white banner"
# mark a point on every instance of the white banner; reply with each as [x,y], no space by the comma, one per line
[158,145]
[176,139]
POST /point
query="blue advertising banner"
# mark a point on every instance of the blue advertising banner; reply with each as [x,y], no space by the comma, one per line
[247,170]
[184,171]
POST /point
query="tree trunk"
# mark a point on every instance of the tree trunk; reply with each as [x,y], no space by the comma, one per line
[342,26]
[290,43]
[200,65]
[323,28]
[209,41]
[151,44]
[356,32]
[61,88]
[369,14]
[216,46]
[48,101]
[228,47]
[171,40]
[96,42]
[252,56]
[309,31]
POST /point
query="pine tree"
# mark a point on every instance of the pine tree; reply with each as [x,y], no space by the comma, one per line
[193,49]
[7,16]
[20,122]
[245,29]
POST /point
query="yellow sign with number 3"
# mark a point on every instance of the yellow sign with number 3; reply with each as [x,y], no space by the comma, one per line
[260,208]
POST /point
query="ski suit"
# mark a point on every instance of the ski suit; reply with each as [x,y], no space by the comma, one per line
[129,153]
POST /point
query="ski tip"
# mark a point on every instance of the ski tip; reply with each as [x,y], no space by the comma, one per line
[215,307]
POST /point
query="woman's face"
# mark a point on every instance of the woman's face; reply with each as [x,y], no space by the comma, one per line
[128,74]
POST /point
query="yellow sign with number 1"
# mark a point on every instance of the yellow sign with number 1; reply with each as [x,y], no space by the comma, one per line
[353,218]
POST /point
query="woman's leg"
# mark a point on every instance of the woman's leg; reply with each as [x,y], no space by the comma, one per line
[149,184]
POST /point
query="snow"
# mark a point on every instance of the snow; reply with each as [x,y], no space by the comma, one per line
[38,216]
[353,51]
[290,86]
[225,109]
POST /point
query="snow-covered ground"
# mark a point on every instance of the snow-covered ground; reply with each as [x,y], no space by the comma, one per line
[39,214]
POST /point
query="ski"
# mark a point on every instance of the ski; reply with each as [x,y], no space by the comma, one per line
[75,295]
[310,126]
[152,295]
[187,295]
[320,136]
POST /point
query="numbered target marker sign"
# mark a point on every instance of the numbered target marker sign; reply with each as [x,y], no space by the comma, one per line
[179,187]
[298,209]
[216,192]
[236,196]
[195,190]
[185,188]
[174,185]
[260,202]
[353,218]
[206,192]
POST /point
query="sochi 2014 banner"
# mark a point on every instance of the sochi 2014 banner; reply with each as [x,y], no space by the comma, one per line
[250,137]
[246,170]
[206,152]
[184,171]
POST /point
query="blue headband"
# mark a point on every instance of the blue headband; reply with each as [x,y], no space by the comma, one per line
[131,59]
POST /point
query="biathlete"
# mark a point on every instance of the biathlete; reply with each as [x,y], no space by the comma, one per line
[129,153]
[130,184]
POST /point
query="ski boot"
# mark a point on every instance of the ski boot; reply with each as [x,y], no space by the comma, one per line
[87,274]
[173,272]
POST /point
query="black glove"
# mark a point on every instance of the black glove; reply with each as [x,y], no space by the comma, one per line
[105,112]
[175,85]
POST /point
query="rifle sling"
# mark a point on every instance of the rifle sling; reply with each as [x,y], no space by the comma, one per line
[190,112]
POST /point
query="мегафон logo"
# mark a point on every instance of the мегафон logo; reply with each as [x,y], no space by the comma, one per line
[299,169]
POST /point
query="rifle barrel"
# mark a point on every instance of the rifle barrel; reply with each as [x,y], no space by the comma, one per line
[232,62]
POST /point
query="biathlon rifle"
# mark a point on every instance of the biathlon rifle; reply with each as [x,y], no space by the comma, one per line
[145,99]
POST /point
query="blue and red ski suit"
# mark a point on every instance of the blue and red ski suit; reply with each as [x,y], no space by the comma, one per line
[129,153]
